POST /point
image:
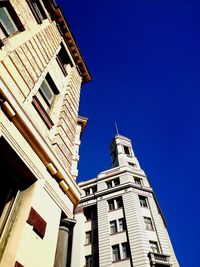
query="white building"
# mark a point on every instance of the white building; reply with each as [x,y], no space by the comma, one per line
[119,222]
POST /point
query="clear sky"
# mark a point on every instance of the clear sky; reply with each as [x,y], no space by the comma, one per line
[144,59]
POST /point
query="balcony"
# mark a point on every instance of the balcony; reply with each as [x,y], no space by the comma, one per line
[159,260]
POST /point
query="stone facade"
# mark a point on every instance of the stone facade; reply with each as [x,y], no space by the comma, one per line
[41,76]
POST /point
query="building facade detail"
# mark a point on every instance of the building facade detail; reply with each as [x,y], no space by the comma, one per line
[120,210]
[41,76]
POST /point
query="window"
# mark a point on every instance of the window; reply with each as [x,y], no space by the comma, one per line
[122,225]
[138,181]
[88,237]
[88,261]
[127,150]
[113,227]
[94,189]
[9,21]
[132,164]
[44,99]
[63,59]
[115,253]
[125,250]
[116,181]
[154,246]
[90,213]
[115,203]
[143,201]
[109,184]
[148,223]
[113,182]
[111,204]
[119,202]
[37,10]
[87,191]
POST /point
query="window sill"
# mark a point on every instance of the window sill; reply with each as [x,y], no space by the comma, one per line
[118,232]
[121,260]
[115,209]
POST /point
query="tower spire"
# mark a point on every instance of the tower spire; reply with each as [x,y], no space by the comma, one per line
[116,128]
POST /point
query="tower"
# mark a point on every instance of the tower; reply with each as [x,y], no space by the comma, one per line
[119,221]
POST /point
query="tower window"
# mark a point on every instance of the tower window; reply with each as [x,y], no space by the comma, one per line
[148,223]
[154,247]
[138,181]
[127,150]
[9,21]
[143,201]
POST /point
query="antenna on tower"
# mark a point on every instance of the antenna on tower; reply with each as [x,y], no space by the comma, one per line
[116,128]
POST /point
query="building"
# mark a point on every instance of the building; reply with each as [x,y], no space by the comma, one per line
[119,221]
[41,74]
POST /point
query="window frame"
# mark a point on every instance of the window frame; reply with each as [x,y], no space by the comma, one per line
[116,252]
[125,250]
[37,102]
[148,223]
[88,261]
[113,227]
[13,18]
[122,224]
[37,10]
[143,201]
[88,237]
[154,247]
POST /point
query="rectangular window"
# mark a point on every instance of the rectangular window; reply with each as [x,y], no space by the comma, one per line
[44,99]
[116,181]
[138,181]
[88,237]
[111,204]
[125,250]
[127,150]
[119,202]
[109,184]
[88,261]
[94,189]
[37,10]
[143,201]
[154,246]
[63,60]
[113,227]
[87,191]
[122,225]
[9,21]
[148,223]
[115,253]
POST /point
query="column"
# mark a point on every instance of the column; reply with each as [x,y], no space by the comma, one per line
[65,228]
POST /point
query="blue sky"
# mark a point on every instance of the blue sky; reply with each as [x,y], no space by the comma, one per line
[144,59]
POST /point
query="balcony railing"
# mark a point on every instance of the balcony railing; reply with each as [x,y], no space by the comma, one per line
[157,259]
